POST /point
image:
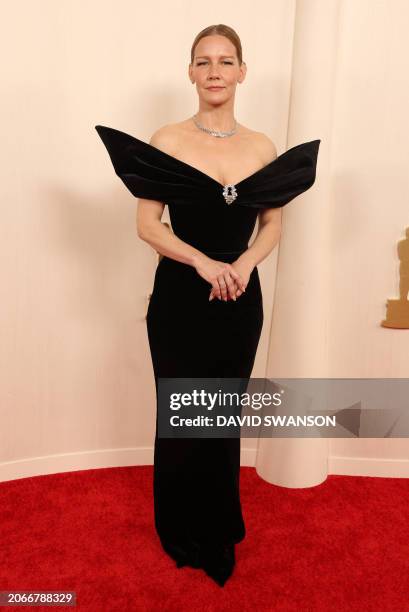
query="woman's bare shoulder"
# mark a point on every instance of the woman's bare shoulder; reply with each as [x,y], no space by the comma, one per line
[170,137]
[263,144]
[165,138]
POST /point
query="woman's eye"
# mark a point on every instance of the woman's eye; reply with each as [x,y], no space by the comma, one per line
[201,63]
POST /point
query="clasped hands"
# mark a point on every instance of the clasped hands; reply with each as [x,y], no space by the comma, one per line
[228,281]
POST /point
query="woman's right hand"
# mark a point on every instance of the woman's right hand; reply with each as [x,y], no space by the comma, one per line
[221,275]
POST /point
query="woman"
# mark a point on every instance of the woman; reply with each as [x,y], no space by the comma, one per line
[205,314]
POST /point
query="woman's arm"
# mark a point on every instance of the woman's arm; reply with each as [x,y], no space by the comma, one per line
[268,236]
[269,226]
[269,219]
[149,214]
[151,229]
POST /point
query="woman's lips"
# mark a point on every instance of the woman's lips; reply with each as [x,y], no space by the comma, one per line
[215,88]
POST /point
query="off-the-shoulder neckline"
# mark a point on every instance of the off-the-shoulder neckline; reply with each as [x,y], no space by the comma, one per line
[184,164]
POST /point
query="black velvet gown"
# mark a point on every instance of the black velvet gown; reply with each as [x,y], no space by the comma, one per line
[197,509]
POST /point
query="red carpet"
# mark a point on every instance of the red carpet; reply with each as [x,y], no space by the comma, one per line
[340,546]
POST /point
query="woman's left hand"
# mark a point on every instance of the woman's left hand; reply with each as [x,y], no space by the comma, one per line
[244,268]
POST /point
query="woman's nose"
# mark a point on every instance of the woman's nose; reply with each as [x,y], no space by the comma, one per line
[213,71]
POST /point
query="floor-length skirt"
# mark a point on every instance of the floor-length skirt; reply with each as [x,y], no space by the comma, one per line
[197,508]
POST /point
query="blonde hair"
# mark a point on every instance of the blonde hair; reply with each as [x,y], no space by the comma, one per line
[222,30]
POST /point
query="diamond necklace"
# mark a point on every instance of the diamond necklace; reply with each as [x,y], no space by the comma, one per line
[217,133]
[229,190]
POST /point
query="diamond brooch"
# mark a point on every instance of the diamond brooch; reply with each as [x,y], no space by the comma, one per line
[229,193]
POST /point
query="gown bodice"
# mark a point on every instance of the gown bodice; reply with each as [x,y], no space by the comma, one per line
[204,213]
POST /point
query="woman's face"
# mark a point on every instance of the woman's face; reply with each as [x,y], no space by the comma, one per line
[215,65]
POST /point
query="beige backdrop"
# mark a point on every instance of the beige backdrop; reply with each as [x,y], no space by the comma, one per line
[77,388]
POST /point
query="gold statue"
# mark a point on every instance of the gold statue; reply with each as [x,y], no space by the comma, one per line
[397,313]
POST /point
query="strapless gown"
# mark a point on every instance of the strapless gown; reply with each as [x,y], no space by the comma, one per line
[197,508]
